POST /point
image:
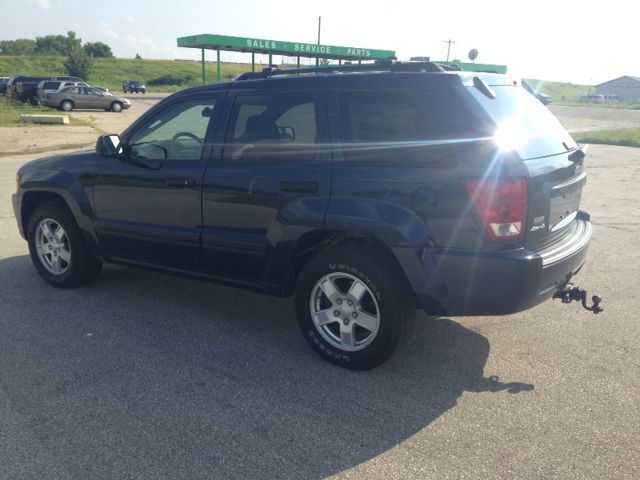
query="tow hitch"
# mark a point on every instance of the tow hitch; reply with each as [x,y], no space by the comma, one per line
[572,292]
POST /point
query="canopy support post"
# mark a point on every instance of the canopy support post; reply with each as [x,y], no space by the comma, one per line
[218,65]
[204,73]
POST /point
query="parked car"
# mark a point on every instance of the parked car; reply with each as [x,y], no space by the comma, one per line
[3,84]
[25,88]
[363,195]
[22,88]
[52,86]
[84,97]
[133,86]
[543,97]
[599,98]
[103,89]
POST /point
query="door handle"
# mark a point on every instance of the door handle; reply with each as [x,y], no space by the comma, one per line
[180,182]
[294,186]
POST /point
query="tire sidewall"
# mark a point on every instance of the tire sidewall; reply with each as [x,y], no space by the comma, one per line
[64,104]
[381,286]
[83,266]
[116,107]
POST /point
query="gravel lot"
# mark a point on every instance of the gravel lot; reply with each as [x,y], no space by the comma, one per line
[141,375]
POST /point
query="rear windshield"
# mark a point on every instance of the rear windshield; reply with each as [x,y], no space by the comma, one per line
[523,123]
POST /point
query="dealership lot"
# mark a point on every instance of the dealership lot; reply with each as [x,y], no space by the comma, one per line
[141,375]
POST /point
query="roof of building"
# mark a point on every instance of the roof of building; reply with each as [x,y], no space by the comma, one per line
[278,47]
[637,79]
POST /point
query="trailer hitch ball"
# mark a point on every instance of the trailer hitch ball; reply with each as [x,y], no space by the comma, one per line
[572,292]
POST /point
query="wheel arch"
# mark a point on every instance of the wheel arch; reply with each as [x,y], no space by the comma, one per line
[66,199]
[313,243]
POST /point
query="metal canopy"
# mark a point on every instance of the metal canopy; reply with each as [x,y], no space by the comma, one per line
[278,47]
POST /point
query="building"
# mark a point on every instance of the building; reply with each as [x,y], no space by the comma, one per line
[625,88]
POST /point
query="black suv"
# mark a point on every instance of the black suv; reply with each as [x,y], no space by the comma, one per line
[364,194]
[133,86]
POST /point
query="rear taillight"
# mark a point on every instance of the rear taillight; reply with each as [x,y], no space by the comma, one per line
[502,206]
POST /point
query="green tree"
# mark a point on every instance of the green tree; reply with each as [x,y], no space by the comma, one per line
[21,46]
[79,64]
[98,50]
[58,44]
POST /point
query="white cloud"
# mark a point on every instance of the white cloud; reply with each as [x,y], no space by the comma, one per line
[128,17]
[43,4]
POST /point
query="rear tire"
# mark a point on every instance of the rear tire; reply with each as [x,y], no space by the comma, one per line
[353,307]
[66,105]
[57,247]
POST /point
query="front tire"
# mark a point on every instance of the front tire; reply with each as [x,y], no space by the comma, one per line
[116,107]
[58,250]
[353,307]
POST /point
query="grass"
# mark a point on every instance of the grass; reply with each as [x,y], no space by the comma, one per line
[10,111]
[558,91]
[110,72]
[568,94]
[626,137]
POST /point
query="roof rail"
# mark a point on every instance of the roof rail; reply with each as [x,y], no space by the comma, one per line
[377,66]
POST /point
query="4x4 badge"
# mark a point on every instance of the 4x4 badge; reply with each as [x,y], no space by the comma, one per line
[538,224]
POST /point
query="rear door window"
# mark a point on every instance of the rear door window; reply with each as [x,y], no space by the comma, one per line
[272,128]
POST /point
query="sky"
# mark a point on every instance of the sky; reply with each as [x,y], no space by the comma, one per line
[548,40]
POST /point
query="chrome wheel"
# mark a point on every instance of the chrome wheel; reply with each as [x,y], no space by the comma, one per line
[345,311]
[52,247]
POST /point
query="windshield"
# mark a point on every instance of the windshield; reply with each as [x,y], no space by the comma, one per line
[523,124]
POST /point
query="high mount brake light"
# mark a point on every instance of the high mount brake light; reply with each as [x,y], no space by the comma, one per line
[502,206]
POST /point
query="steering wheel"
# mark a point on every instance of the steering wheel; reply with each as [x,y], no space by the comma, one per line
[186,134]
[177,149]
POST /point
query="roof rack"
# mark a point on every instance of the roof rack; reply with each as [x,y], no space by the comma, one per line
[377,66]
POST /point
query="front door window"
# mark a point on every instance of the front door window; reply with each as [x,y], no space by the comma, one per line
[177,133]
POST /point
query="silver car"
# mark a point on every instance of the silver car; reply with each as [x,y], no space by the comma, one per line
[52,86]
[85,97]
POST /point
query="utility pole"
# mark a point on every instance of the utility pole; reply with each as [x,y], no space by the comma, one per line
[449,46]
[319,23]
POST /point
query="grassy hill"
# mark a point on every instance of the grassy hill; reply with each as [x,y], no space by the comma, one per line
[560,92]
[110,72]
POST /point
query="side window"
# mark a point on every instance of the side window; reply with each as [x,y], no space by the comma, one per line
[272,128]
[408,123]
[380,116]
[176,133]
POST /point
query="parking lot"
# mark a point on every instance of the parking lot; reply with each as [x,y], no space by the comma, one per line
[141,375]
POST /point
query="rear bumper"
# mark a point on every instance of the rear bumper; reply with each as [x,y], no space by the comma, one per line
[462,283]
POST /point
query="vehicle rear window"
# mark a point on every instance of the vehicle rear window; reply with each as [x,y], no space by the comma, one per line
[51,85]
[530,126]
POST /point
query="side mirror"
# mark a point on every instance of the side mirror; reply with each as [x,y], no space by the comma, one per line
[109,146]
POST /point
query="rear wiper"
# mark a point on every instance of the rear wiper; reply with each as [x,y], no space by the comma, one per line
[486,90]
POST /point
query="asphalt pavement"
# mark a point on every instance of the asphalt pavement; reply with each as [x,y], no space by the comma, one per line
[146,376]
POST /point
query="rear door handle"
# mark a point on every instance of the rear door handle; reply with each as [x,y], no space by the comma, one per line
[294,186]
[180,182]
